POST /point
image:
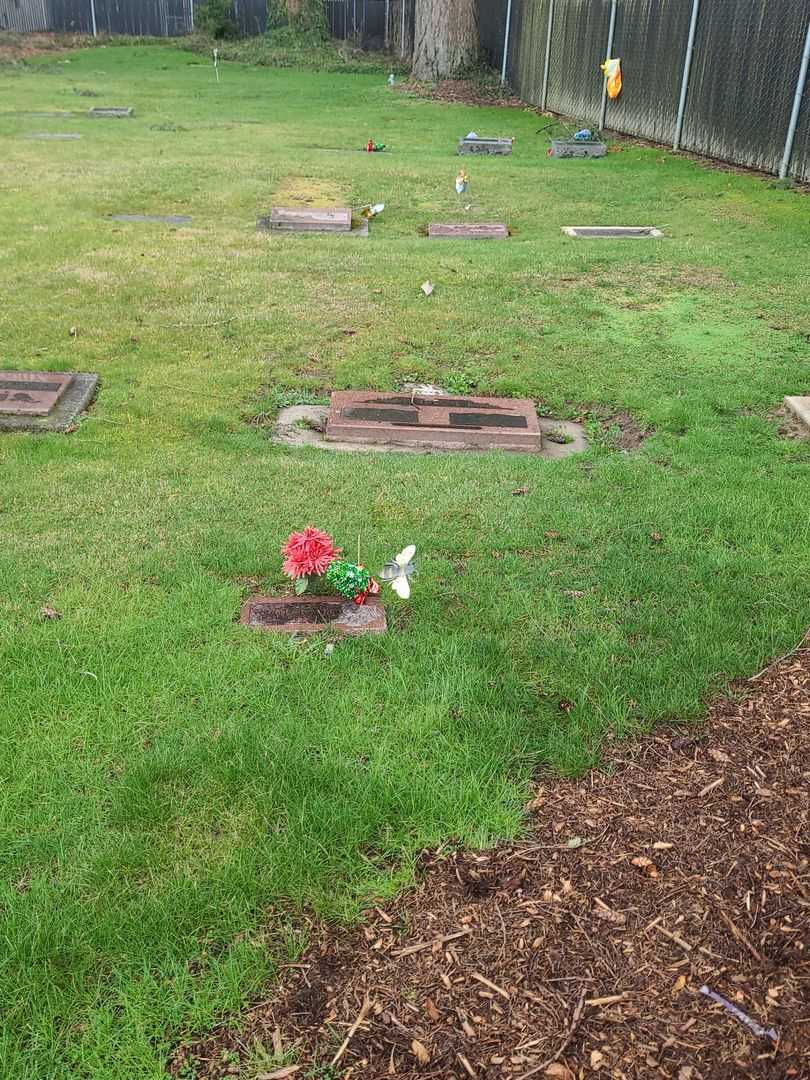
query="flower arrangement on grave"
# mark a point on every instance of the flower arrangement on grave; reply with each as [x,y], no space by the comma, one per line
[311,553]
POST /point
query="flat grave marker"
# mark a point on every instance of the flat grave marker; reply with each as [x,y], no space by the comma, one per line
[451,422]
[336,220]
[479,145]
[612,232]
[54,136]
[468,231]
[118,111]
[800,407]
[163,219]
[43,400]
[312,614]
[577,148]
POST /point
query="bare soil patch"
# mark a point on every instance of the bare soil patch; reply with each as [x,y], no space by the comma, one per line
[582,950]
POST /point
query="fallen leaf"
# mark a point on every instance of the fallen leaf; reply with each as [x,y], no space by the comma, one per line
[662,845]
[427,288]
[597,1059]
[560,1071]
[432,1011]
[656,537]
[49,612]
[577,841]
[521,491]
[576,594]
[419,1052]
[279,1074]
[718,755]
[551,534]
[641,860]
[679,984]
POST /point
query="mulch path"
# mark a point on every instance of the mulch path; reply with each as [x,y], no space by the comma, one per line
[464,92]
[582,950]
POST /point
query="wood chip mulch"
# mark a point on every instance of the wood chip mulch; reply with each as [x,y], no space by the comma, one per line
[584,949]
[464,92]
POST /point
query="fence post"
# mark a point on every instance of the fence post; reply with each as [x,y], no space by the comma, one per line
[548,54]
[687,69]
[93,17]
[797,104]
[191,15]
[506,40]
[603,113]
[387,15]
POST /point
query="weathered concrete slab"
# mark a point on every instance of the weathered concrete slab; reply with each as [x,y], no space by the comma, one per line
[460,422]
[485,146]
[468,231]
[117,111]
[37,401]
[577,148]
[162,219]
[612,232]
[54,136]
[310,219]
[304,220]
[312,614]
[800,407]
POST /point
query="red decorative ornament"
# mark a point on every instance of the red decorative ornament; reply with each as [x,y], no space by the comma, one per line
[372,590]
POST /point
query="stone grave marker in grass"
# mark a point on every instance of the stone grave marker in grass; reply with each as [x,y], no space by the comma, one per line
[162,219]
[477,145]
[577,148]
[468,231]
[451,422]
[800,407]
[105,111]
[313,219]
[54,136]
[38,401]
[612,232]
[312,614]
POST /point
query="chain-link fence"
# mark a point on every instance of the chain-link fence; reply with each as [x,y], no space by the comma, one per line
[373,24]
[725,78]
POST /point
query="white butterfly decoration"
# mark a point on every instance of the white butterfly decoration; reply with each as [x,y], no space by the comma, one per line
[397,571]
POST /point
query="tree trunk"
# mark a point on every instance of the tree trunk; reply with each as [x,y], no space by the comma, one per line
[445,37]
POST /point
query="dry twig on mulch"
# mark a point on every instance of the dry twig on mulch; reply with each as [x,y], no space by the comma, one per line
[582,950]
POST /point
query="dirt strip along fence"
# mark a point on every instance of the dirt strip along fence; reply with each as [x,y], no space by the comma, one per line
[724,78]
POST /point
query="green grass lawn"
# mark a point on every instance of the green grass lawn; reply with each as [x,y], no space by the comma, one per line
[174,787]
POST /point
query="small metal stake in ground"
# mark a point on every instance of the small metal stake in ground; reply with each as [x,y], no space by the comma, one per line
[43,400]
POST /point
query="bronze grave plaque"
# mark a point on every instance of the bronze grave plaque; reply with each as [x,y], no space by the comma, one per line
[43,400]
[439,422]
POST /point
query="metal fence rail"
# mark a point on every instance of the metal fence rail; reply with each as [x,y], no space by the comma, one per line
[743,85]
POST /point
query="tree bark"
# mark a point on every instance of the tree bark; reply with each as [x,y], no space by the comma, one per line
[445,37]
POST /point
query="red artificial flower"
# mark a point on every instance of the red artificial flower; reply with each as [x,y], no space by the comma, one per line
[308,552]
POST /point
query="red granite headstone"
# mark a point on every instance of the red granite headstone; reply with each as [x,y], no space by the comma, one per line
[31,393]
[448,422]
